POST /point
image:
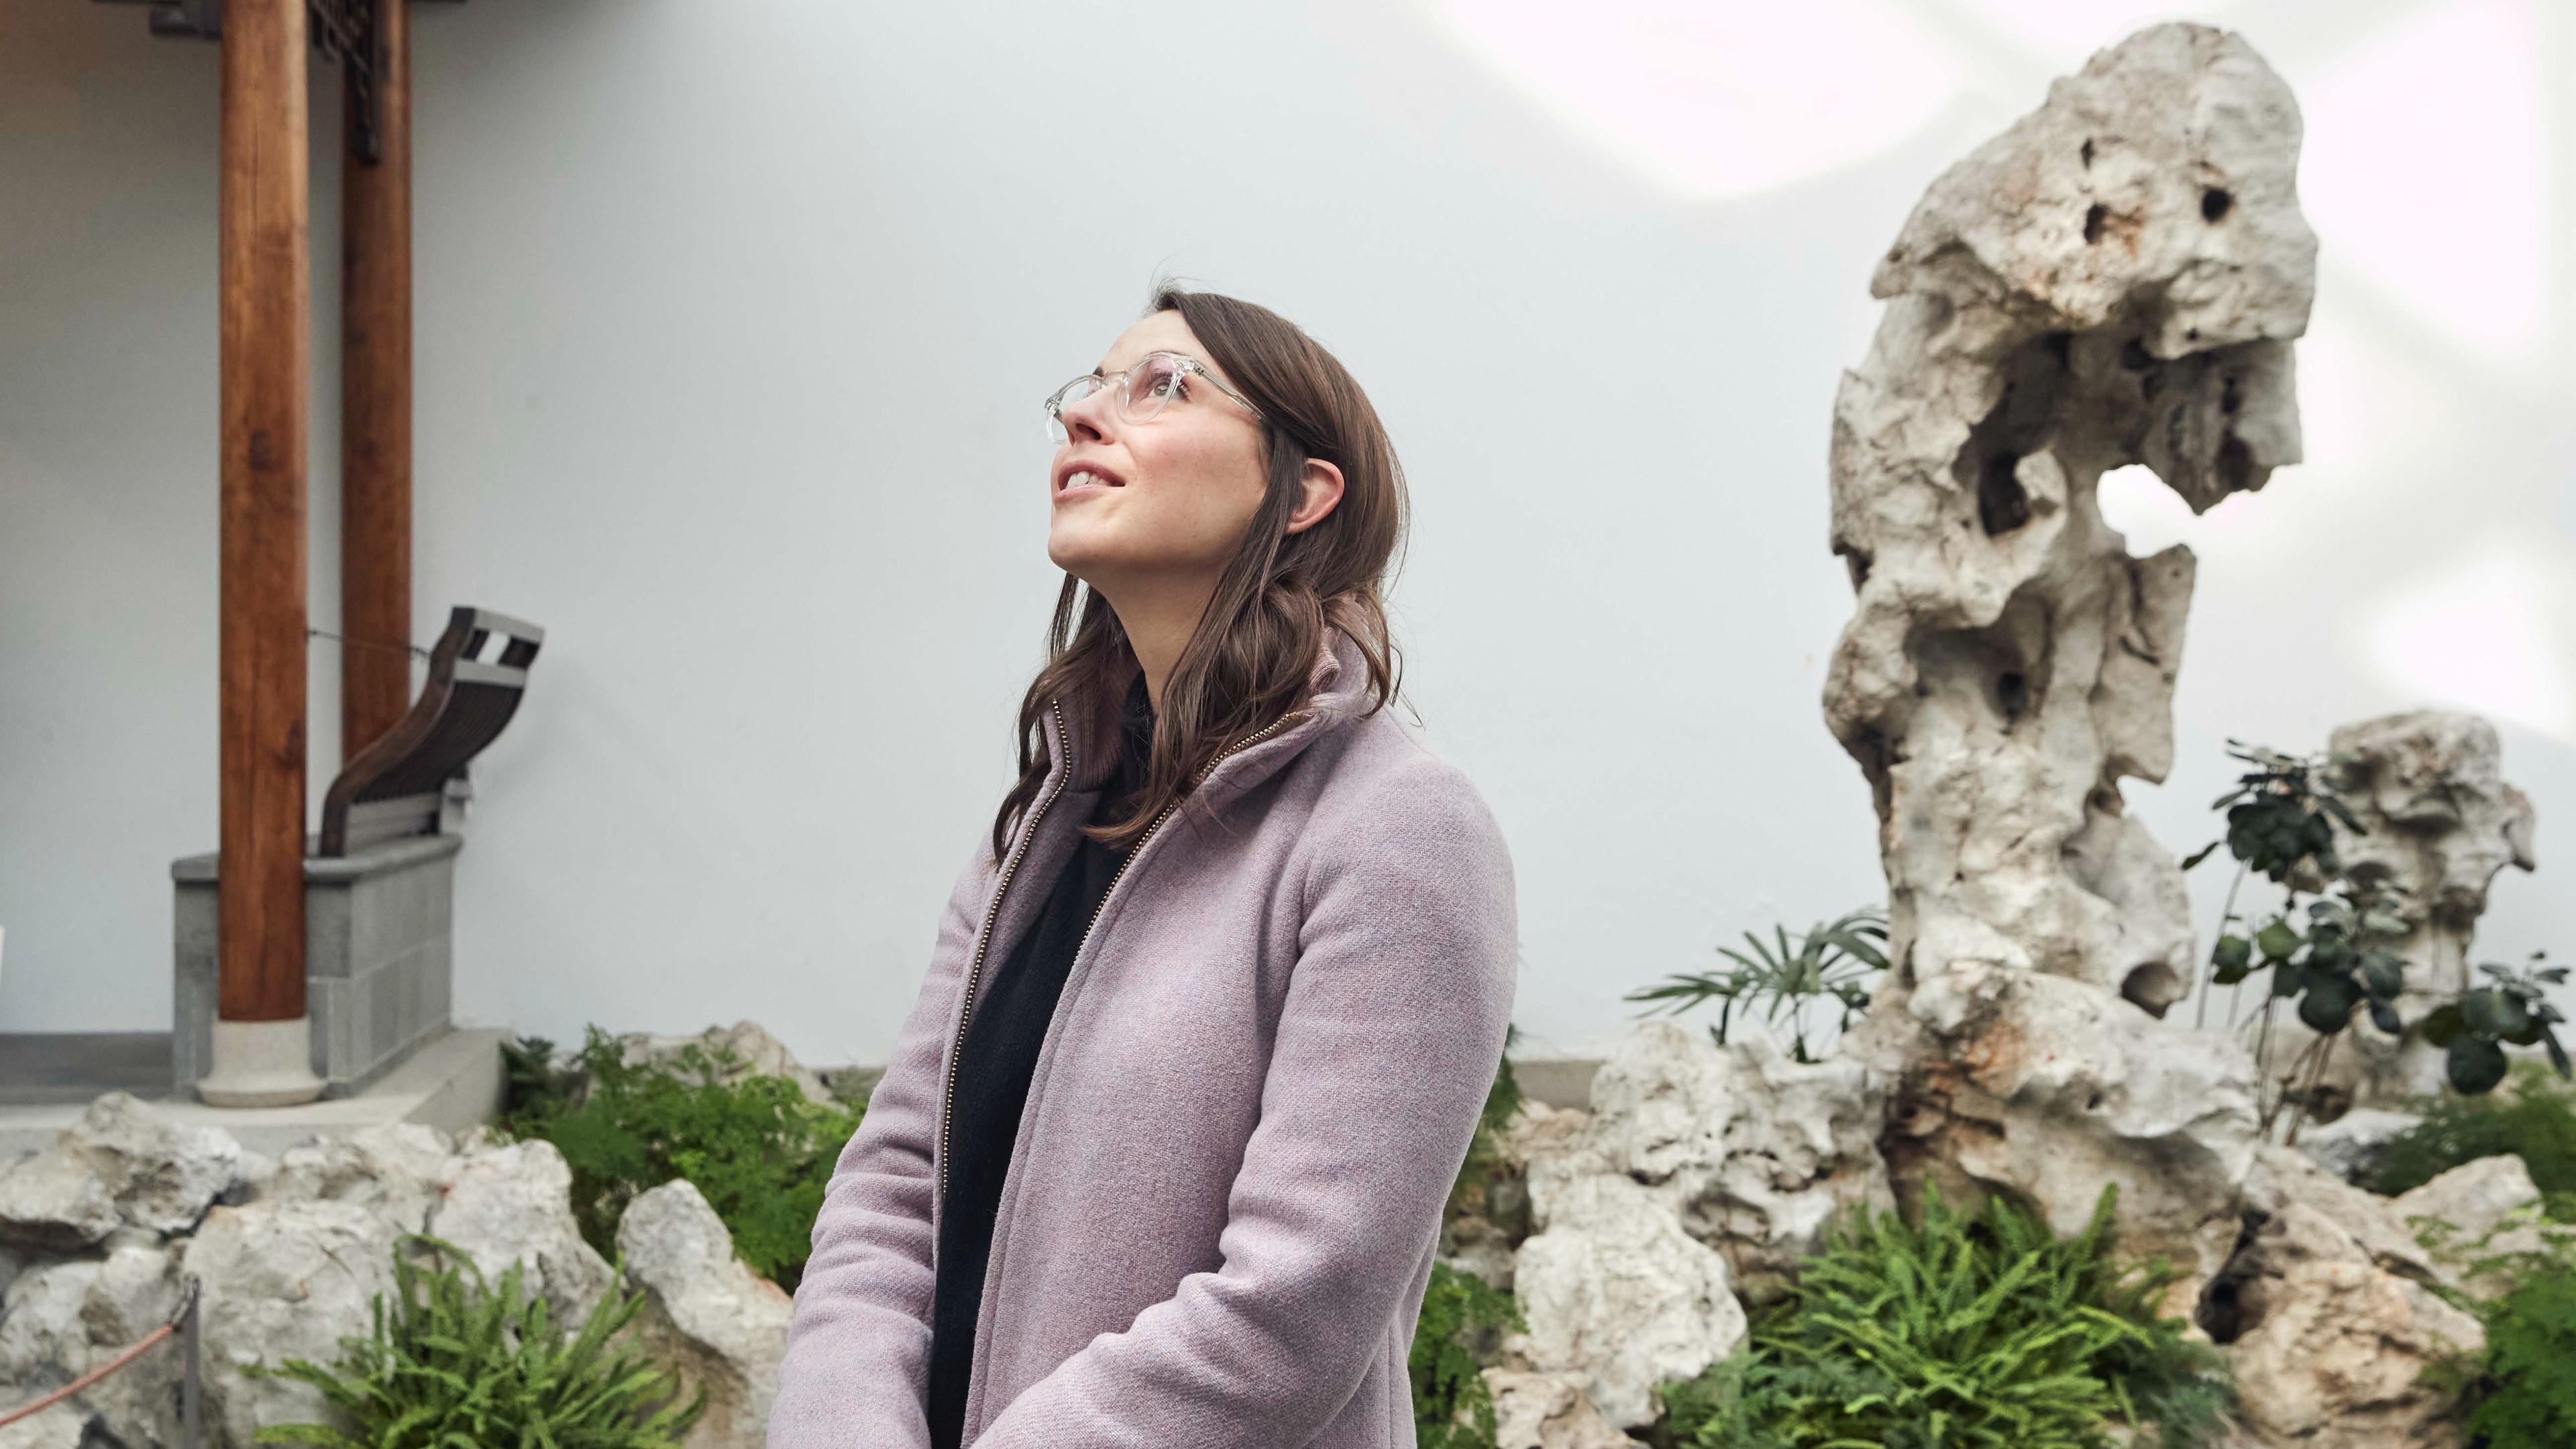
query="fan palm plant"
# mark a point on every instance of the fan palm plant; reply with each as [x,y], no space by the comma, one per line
[1835,961]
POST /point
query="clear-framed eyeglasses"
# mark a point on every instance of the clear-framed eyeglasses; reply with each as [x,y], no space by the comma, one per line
[1138,393]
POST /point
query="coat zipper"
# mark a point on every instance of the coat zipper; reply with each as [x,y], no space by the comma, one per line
[975,969]
[984,940]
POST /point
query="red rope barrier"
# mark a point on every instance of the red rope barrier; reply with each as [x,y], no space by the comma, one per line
[186,1301]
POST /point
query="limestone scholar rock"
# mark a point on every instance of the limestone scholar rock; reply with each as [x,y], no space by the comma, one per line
[120,1163]
[2329,1348]
[2439,821]
[59,1426]
[756,1053]
[707,1315]
[135,1292]
[277,1280]
[51,1200]
[2438,824]
[513,1204]
[397,1170]
[1618,1298]
[2113,280]
[1753,1152]
[1546,1411]
[1696,1164]
[2053,1090]
[2486,1208]
[2355,1145]
[43,1343]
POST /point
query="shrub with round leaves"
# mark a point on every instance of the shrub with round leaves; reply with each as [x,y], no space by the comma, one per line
[2281,819]
[2513,1009]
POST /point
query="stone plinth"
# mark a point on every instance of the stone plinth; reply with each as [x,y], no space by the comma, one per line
[377,953]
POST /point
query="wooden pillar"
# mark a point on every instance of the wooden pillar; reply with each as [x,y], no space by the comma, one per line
[375,397]
[259,1055]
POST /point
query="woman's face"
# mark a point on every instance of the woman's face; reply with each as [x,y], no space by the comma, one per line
[1167,500]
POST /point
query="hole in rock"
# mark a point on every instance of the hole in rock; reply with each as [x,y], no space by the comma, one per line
[2002,505]
[2148,515]
[2022,421]
[2012,696]
[2152,988]
[2235,464]
[2134,355]
[1857,562]
[2328,1102]
[2214,203]
[2225,1310]
[2086,154]
[2231,1306]
[2093,222]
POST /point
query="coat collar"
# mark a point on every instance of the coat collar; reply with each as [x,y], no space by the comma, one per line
[1336,689]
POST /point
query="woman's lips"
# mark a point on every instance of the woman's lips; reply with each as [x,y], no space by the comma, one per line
[1081,484]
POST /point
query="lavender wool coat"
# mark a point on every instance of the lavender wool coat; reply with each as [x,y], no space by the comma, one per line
[1255,1092]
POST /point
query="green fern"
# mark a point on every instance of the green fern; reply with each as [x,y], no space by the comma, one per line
[2536,1120]
[2528,1400]
[460,1366]
[757,1149]
[2518,1393]
[1484,1148]
[532,1084]
[1983,1332]
[1452,1408]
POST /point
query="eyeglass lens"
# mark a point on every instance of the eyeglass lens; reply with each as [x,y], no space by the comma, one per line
[1141,394]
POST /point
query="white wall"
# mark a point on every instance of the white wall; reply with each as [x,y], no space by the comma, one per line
[733,318]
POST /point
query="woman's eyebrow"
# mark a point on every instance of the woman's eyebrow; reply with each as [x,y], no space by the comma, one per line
[1103,369]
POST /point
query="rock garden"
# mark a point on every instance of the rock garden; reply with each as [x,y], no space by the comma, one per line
[2021,1157]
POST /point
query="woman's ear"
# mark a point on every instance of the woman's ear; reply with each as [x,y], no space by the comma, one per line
[1321,483]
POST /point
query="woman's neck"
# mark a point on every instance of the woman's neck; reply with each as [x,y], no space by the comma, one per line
[1158,623]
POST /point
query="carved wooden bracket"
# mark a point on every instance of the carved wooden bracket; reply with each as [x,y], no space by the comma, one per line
[344,30]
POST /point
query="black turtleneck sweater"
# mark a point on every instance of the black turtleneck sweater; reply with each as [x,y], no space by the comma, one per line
[1012,1007]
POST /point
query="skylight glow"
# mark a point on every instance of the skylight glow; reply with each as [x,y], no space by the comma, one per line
[1721,100]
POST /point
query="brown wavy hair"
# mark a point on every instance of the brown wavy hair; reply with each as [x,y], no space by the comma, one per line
[1247,662]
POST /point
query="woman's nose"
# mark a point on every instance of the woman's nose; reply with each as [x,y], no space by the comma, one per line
[1088,418]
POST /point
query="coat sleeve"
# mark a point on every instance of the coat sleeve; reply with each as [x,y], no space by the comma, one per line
[1388,1040]
[857,1364]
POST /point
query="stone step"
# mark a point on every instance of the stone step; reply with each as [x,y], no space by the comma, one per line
[451,1082]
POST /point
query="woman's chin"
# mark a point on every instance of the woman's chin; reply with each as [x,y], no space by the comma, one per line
[1072,550]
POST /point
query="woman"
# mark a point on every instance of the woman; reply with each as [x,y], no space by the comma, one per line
[1160,1156]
